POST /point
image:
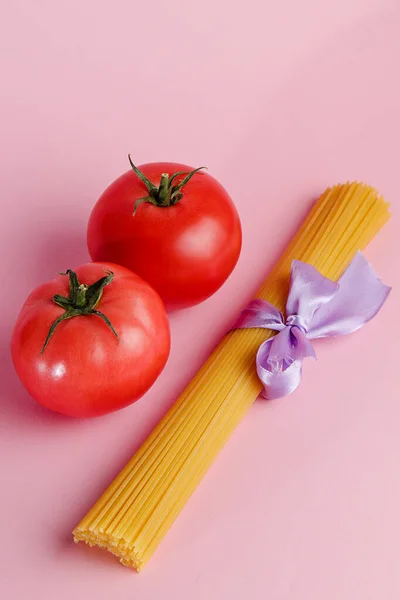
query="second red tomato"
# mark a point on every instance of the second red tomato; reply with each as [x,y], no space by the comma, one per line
[181,233]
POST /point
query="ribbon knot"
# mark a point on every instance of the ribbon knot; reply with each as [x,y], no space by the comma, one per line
[316,307]
[296,321]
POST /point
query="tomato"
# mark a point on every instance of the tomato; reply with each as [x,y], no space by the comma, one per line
[181,233]
[91,341]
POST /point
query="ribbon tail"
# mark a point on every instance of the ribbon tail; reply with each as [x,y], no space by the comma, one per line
[360,296]
[278,379]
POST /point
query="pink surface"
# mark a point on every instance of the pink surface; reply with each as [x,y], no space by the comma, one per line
[279,99]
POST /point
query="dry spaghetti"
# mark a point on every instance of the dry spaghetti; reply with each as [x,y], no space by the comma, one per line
[135,512]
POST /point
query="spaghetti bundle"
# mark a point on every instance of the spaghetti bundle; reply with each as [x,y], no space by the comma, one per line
[135,512]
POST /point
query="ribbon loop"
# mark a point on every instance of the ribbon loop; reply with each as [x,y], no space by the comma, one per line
[316,307]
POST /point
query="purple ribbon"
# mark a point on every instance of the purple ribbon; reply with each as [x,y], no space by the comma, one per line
[316,307]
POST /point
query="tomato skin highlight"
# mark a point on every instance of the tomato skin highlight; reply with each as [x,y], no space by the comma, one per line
[84,370]
[185,251]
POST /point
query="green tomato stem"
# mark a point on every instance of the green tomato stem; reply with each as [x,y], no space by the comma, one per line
[82,301]
[166,194]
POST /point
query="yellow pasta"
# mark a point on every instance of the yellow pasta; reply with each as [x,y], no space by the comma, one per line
[135,512]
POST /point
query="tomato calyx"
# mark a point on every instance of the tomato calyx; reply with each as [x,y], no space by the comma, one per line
[82,300]
[166,193]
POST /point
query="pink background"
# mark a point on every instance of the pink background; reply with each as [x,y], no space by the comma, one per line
[279,99]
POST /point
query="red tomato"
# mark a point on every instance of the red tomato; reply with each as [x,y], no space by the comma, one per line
[65,347]
[184,237]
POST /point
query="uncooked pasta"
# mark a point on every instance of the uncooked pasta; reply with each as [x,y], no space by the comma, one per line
[136,511]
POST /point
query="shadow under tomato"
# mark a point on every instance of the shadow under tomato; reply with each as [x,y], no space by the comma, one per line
[16,405]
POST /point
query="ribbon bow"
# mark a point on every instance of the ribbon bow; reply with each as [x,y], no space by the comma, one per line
[316,307]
